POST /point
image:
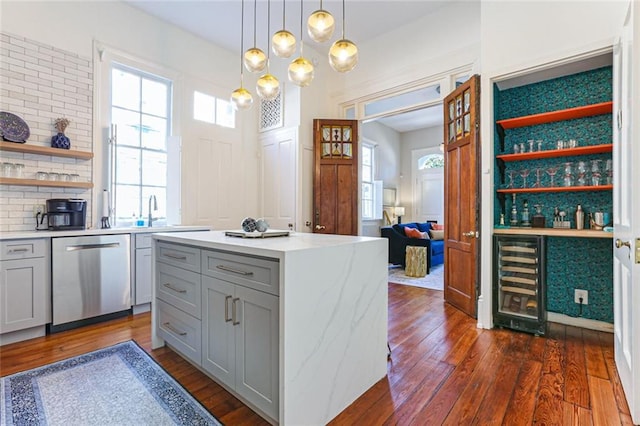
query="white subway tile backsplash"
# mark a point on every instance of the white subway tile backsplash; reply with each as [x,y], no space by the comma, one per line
[41,83]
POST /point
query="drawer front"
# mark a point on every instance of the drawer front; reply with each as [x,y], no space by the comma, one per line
[180,288]
[253,272]
[180,330]
[178,255]
[143,240]
[22,249]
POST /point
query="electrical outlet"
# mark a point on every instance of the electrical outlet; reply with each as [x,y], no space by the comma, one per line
[584,294]
[38,208]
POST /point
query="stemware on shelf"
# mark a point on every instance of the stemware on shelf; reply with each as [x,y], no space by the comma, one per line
[539,143]
[511,174]
[595,172]
[530,145]
[568,176]
[582,173]
[552,171]
[539,171]
[609,170]
[524,173]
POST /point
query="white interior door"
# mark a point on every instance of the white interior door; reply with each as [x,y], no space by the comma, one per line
[626,201]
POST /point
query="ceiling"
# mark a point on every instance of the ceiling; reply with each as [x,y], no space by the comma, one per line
[218,21]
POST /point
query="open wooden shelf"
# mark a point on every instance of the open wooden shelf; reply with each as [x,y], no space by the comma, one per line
[45,150]
[552,153]
[560,115]
[554,232]
[50,183]
[556,189]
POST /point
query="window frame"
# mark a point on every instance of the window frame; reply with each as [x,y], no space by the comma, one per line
[370,147]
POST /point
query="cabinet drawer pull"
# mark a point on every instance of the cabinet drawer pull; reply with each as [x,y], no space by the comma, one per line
[227,318]
[175,256]
[177,290]
[233,311]
[175,330]
[235,271]
[18,250]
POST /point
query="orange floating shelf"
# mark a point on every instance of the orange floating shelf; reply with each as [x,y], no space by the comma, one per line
[560,115]
[536,155]
[556,189]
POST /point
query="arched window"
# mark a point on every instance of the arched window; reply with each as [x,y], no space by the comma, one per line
[431,161]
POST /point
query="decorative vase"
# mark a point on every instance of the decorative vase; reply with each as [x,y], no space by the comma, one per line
[60,141]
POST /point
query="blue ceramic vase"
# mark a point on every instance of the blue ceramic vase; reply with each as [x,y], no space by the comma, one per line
[60,141]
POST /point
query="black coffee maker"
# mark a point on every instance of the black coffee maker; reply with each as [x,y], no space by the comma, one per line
[64,214]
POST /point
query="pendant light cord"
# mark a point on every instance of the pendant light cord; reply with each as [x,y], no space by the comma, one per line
[301,32]
[241,43]
[268,32]
[255,6]
[342,18]
[283,14]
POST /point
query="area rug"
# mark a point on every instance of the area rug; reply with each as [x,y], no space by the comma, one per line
[119,385]
[434,280]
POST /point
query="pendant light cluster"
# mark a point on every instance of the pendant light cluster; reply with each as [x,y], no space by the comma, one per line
[343,54]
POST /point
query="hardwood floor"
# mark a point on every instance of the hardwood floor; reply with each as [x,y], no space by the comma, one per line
[443,370]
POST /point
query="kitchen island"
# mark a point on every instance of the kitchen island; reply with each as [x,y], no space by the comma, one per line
[295,326]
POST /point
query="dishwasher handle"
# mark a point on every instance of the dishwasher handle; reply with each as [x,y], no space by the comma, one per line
[92,246]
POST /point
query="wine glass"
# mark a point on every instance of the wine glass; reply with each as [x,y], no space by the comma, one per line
[582,172]
[595,172]
[552,171]
[609,170]
[524,173]
[511,174]
[538,172]
[568,177]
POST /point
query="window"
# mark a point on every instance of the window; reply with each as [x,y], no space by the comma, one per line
[141,112]
[431,161]
[213,110]
[371,189]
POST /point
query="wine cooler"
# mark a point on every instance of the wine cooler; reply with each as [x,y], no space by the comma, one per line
[519,283]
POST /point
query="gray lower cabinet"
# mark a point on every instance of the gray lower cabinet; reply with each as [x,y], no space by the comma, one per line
[143,266]
[24,285]
[221,310]
[240,341]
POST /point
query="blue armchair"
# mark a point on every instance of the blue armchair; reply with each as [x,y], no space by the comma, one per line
[398,242]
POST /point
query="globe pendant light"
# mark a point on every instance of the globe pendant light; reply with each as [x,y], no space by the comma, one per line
[283,43]
[241,98]
[343,55]
[320,25]
[301,69]
[267,86]
[254,59]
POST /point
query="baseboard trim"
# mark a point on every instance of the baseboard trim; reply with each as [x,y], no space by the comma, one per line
[580,322]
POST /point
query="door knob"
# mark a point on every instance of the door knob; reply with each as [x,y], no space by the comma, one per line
[469,234]
[320,227]
[620,243]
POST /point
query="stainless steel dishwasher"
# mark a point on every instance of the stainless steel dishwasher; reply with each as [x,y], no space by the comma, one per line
[91,279]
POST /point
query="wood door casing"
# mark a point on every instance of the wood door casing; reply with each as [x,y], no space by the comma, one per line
[462,207]
[335,186]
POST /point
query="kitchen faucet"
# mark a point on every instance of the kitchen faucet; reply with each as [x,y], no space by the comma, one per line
[155,208]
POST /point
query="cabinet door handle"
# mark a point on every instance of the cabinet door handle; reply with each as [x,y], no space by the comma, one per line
[235,271]
[177,290]
[175,330]
[18,250]
[233,311]
[227,318]
[175,256]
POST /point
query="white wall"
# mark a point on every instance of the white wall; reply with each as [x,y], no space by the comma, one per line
[429,46]
[516,36]
[73,26]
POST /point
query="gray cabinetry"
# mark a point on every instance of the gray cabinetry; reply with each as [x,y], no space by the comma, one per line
[240,326]
[143,265]
[24,285]
[178,292]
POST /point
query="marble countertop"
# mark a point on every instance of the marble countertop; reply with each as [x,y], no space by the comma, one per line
[270,247]
[21,235]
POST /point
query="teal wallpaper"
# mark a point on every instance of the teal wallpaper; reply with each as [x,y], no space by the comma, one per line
[585,263]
